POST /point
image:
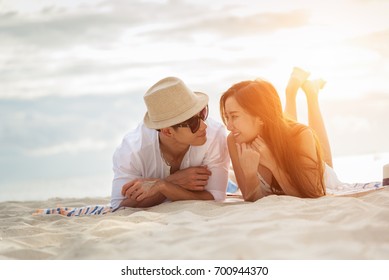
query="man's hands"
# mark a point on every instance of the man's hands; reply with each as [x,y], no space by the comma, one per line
[140,189]
[191,178]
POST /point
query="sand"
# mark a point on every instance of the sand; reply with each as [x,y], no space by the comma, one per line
[275,227]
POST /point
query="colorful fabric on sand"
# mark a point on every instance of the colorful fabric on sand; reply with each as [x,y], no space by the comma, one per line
[89,210]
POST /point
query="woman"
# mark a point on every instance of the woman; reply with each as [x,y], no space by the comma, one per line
[271,152]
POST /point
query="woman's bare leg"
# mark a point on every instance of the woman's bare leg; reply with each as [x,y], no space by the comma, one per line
[297,78]
[315,119]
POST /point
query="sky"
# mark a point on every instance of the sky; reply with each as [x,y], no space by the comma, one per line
[73,73]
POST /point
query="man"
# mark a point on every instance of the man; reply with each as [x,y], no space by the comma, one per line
[176,153]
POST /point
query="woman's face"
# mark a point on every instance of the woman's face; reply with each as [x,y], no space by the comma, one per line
[243,126]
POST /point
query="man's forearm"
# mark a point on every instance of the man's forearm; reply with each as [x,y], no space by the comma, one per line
[174,192]
[147,202]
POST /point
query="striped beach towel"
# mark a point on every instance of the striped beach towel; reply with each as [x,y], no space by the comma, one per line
[89,210]
[354,188]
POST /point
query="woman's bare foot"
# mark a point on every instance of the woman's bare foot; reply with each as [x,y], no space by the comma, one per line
[311,88]
[297,79]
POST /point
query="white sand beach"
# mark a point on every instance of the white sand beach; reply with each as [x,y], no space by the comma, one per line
[275,227]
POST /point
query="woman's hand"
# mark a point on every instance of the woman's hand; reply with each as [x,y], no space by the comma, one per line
[265,155]
[249,158]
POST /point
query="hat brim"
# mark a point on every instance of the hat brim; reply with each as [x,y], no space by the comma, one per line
[202,101]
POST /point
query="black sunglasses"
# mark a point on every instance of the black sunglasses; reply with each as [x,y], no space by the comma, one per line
[194,122]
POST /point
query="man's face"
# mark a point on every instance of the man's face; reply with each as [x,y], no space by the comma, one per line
[193,131]
[184,135]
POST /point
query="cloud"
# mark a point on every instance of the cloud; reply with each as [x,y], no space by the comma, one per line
[62,26]
[76,147]
[375,41]
[111,47]
[53,125]
[227,25]
[358,125]
[62,31]
[104,23]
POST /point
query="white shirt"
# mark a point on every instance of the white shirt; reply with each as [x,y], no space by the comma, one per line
[139,156]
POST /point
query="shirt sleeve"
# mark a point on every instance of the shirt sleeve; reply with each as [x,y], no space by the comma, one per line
[125,170]
[218,162]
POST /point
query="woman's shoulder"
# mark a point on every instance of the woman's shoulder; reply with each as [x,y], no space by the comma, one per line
[307,134]
[297,129]
[307,140]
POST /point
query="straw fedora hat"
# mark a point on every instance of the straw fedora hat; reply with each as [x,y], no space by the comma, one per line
[171,102]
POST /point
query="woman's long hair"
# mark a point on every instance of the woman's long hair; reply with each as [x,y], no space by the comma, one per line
[282,135]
